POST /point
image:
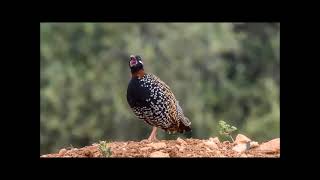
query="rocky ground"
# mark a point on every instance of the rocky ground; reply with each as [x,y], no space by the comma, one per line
[212,147]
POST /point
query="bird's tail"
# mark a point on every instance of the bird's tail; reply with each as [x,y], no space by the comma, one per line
[181,116]
[185,122]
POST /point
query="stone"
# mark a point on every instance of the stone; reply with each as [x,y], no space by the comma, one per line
[270,146]
[215,140]
[145,148]
[243,155]
[96,155]
[241,147]
[159,154]
[254,144]
[211,144]
[226,142]
[145,141]
[181,148]
[158,145]
[240,139]
[88,153]
[62,152]
[181,141]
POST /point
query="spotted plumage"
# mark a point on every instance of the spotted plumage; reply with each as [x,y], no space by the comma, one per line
[153,102]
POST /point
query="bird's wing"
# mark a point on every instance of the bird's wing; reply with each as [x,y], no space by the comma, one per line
[141,113]
[170,98]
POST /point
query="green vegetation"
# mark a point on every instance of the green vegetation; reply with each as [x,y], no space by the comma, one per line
[104,149]
[216,71]
[226,129]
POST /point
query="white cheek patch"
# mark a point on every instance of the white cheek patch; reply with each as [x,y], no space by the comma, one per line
[141,62]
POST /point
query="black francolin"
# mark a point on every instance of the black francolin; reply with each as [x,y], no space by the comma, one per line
[153,101]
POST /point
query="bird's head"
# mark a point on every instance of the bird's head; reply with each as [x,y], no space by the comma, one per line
[135,63]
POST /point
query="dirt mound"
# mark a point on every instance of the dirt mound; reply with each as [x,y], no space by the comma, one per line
[177,148]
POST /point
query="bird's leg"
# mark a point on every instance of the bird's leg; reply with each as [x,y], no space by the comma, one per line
[153,135]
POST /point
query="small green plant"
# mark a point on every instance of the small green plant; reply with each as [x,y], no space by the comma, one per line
[226,129]
[104,149]
[70,147]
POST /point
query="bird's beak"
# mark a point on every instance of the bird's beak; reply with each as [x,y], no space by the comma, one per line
[132,56]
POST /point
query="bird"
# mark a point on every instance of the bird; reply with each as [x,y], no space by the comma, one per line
[153,102]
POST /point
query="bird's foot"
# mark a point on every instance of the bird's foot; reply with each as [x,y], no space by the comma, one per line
[153,135]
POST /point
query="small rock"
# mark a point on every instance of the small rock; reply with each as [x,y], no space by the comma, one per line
[159,154]
[215,140]
[226,142]
[145,141]
[158,145]
[241,147]
[254,144]
[145,148]
[270,146]
[181,141]
[243,155]
[209,150]
[95,155]
[62,152]
[241,139]
[181,148]
[211,144]
[88,153]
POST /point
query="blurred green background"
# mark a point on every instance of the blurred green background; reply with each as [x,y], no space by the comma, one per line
[217,71]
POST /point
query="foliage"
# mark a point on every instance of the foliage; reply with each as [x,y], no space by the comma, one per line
[216,71]
[226,129]
[104,149]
